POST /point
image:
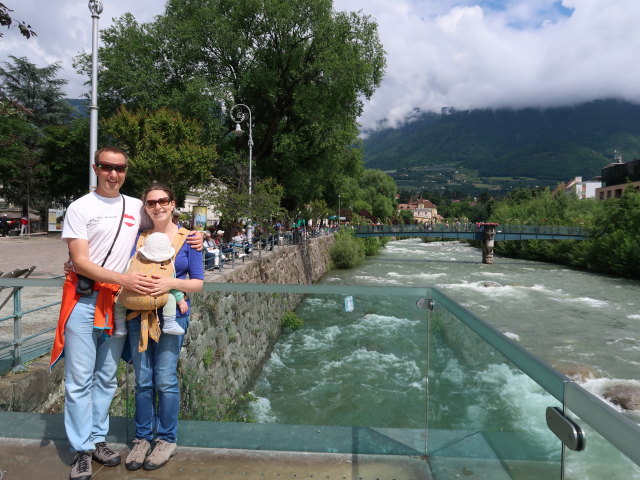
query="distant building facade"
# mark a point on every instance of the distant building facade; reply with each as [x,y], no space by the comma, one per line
[616,177]
[424,211]
[584,189]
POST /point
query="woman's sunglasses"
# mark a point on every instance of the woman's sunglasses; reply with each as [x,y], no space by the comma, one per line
[107,167]
[163,202]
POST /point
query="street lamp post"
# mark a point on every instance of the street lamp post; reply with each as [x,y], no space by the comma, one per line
[239,113]
[95,7]
[338,211]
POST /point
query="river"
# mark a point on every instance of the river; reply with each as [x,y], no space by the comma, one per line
[559,314]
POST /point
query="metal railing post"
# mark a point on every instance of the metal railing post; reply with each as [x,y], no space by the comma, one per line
[17,331]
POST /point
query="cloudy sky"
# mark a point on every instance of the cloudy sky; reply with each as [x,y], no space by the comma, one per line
[440,53]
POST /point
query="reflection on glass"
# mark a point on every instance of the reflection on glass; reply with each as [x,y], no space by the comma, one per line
[485,417]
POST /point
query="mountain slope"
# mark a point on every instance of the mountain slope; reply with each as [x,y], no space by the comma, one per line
[552,144]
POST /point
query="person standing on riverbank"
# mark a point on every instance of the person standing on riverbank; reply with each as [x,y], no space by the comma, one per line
[100,229]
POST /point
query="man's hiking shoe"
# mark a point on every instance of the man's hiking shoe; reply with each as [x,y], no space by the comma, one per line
[160,455]
[81,467]
[104,455]
[141,448]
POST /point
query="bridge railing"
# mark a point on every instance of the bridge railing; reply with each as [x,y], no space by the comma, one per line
[472,227]
[407,349]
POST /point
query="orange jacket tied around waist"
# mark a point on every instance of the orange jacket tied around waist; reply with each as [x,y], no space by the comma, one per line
[102,319]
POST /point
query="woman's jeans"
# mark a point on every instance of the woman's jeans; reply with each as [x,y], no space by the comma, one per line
[157,390]
[90,363]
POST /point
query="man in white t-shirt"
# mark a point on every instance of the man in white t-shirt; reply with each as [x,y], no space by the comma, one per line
[86,323]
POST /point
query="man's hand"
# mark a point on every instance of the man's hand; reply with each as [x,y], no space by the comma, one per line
[68,267]
[138,283]
[195,239]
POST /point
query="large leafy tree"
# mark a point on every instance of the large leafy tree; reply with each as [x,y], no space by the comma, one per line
[303,68]
[163,146]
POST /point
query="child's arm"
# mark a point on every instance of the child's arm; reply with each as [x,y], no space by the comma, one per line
[180,301]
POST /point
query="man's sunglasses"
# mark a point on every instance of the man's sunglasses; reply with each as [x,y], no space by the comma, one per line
[163,202]
[107,167]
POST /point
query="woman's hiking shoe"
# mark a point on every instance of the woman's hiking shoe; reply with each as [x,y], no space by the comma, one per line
[104,455]
[81,467]
[141,448]
[160,455]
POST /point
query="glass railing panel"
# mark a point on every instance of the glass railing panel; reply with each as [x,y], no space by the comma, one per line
[611,439]
[351,379]
[486,416]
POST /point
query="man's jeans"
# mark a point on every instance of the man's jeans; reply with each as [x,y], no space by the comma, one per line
[91,361]
[156,374]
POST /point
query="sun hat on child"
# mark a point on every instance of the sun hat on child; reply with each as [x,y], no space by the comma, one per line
[157,247]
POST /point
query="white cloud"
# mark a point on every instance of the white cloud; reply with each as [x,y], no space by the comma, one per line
[440,53]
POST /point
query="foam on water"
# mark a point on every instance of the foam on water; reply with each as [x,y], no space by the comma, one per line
[376,279]
[589,302]
[416,276]
[513,336]
[262,412]
[320,339]
[319,303]
[370,362]
[375,321]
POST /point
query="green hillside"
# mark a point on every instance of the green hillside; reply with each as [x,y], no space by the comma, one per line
[552,145]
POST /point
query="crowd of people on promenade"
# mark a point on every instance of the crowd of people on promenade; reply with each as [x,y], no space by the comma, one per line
[217,251]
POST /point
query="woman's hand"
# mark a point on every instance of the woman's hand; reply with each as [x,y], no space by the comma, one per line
[138,283]
[161,285]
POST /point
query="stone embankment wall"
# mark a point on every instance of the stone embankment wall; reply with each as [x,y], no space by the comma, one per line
[229,338]
[231,335]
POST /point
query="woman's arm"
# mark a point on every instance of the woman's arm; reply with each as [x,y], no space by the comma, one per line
[163,285]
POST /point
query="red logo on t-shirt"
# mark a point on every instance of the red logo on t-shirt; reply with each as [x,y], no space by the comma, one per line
[129,221]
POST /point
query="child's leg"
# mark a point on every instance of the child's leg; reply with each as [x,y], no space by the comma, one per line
[169,325]
[120,319]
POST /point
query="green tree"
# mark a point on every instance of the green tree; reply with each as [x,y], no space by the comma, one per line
[379,190]
[302,67]
[32,101]
[163,146]
[65,153]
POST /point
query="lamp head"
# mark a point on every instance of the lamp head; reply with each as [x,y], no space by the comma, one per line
[238,131]
[95,7]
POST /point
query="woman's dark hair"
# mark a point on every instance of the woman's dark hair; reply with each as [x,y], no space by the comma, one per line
[158,186]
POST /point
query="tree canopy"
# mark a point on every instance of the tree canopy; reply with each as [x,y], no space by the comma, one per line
[303,68]
[35,117]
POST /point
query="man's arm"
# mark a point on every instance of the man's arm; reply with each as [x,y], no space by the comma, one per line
[195,239]
[79,253]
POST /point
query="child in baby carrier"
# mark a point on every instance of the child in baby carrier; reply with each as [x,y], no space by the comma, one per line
[155,257]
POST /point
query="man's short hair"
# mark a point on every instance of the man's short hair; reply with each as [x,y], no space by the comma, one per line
[110,149]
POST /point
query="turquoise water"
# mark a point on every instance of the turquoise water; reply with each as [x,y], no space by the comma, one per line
[369,367]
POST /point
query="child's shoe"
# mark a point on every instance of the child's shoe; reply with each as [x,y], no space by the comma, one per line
[171,327]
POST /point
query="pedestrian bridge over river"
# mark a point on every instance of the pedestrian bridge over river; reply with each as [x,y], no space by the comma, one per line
[474,232]
[487,233]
